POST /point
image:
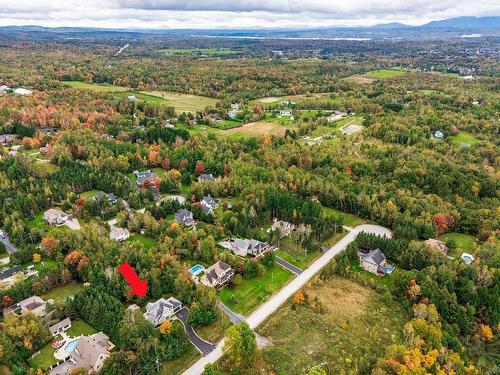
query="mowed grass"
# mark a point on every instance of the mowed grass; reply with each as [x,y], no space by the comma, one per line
[253,292]
[199,51]
[385,73]
[349,219]
[464,138]
[260,128]
[80,328]
[61,292]
[356,326]
[146,241]
[44,359]
[465,242]
[89,194]
[181,102]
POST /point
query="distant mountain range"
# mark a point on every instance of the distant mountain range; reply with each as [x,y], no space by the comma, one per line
[465,23]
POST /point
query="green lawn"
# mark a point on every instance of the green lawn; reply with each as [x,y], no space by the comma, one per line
[289,251]
[464,138]
[46,168]
[95,87]
[227,124]
[37,222]
[80,328]
[252,292]
[465,242]
[61,292]
[160,172]
[45,359]
[349,219]
[48,264]
[385,73]
[147,242]
[141,97]
[88,194]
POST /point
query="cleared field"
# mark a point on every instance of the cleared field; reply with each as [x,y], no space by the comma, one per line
[199,51]
[61,292]
[355,326]
[181,102]
[464,138]
[184,102]
[464,242]
[385,73]
[260,128]
[95,87]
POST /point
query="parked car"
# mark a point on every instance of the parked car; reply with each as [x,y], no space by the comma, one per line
[3,235]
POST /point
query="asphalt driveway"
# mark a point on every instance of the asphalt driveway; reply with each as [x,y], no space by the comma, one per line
[204,347]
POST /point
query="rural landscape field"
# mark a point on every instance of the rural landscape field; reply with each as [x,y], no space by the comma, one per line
[249,188]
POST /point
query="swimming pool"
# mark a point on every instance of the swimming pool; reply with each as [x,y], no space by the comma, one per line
[196,269]
[389,269]
[71,346]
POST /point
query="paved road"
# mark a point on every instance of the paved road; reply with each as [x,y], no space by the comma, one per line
[289,266]
[204,347]
[235,317]
[264,311]
[8,245]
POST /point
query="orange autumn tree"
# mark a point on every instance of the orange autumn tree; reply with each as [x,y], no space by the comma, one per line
[49,245]
[299,298]
[166,327]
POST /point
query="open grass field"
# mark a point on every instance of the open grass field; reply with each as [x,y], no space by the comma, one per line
[38,222]
[80,328]
[349,219]
[45,168]
[252,292]
[146,241]
[227,124]
[61,292]
[385,73]
[199,51]
[465,242]
[184,102]
[354,329]
[260,128]
[88,194]
[44,359]
[464,138]
[276,101]
[181,102]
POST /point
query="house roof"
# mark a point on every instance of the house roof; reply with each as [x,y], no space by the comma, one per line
[206,177]
[117,232]
[215,271]
[184,216]
[89,349]
[5,274]
[63,323]
[155,310]
[375,256]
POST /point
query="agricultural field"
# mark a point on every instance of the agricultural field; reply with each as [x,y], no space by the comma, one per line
[355,327]
[181,102]
[252,292]
[371,76]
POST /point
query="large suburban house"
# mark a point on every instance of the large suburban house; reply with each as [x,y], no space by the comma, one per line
[244,247]
[185,217]
[161,310]
[208,204]
[118,234]
[55,217]
[437,244]
[206,177]
[60,327]
[101,195]
[217,275]
[144,176]
[90,353]
[374,261]
[7,275]
[34,305]
[336,116]
[284,228]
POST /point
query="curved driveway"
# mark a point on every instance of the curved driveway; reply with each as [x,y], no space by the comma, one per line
[265,310]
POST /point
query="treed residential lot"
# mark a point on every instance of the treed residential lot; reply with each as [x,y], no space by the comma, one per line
[91,130]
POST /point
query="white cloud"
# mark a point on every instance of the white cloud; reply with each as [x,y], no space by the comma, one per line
[235,13]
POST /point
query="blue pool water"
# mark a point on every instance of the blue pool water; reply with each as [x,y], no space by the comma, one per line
[71,346]
[389,269]
[196,269]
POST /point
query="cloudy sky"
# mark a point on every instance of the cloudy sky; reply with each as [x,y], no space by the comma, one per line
[234,13]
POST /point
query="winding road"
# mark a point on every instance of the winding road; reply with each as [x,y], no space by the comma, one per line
[265,310]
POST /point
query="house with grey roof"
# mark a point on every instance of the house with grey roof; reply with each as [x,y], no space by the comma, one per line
[185,217]
[208,204]
[375,262]
[284,228]
[217,275]
[205,177]
[34,305]
[54,216]
[7,274]
[244,247]
[161,310]
[59,327]
[118,234]
[91,351]
[101,195]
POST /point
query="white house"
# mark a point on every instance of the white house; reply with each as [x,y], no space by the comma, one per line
[217,275]
[55,217]
[59,327]
[161,310]
[244,247]
[118,234]
[284,228]
[208,204]
[21,91]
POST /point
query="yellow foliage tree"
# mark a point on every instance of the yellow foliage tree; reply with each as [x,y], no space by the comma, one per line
[37,258]
[166,327]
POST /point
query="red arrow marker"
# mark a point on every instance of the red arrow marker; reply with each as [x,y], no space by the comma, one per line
[139,287]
